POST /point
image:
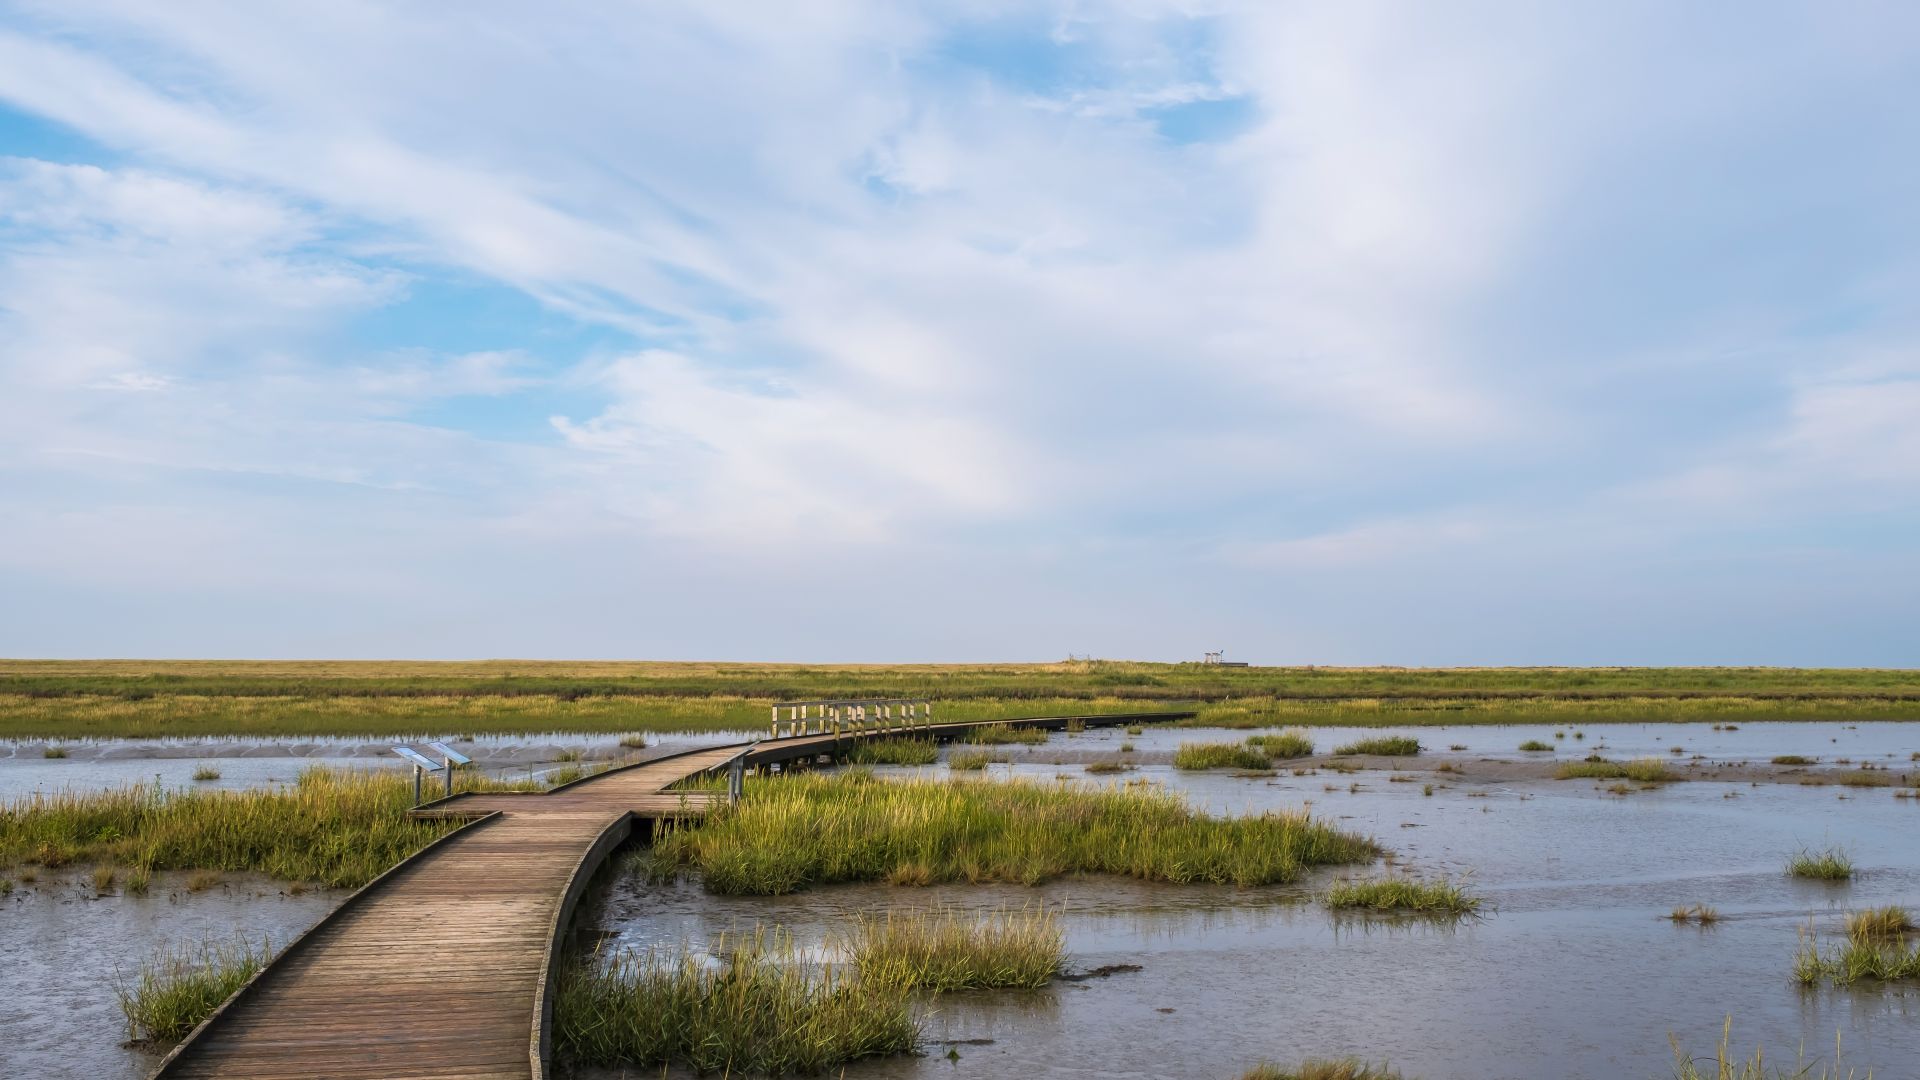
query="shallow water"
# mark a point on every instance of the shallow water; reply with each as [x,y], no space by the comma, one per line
[1571,973]
[66,950]
[250,763]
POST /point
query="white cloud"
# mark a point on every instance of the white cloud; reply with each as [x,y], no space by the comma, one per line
[893,306]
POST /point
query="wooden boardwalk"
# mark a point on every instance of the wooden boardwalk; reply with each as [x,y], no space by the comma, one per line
[443,967]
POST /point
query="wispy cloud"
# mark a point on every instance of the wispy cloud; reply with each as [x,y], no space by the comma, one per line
[861,303]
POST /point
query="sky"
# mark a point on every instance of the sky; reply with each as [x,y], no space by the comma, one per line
[1475,333]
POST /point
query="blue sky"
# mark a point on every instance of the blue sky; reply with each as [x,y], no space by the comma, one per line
[1359,333]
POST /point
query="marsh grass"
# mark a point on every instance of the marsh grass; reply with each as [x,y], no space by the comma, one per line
[1442,896]
[149,699]
[1289,744]
[1005,734]
[102,880]
[1534,746]
[1101,768]
[941,950]
[1702,914]
[902,751]
[767,1008]
[972,760]
[1725,1065]
[1383,746]
[1645,770]
[206,772]
[54,752]
[1794,759]
[1864,778]
[1833,864]
[793,832]
[176,989]
[1322,1069]
[1197,756]
[336,828]
[1877,923]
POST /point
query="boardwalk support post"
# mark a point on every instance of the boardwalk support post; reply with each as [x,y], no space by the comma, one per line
[736,779]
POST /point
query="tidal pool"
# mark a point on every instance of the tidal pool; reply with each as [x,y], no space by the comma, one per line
[1571,972]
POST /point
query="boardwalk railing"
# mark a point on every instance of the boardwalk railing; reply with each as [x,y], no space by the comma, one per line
[845,715]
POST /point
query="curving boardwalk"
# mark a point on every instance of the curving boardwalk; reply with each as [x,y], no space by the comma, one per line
[443,966]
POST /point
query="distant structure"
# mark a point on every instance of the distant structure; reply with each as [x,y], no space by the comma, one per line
[1218,659]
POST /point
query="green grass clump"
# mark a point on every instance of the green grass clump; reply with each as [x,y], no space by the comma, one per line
[1645,770]
[1003,734]
[1794,759]
[1882,922]
[174,990]
[1292,743]
[769,1009]
[972,760]
[1533,746]
[54,752]
[1383,746]
[1833,864]
[336,828]
[1440,897]
[206,772]
[942,950]
[1099,768]
[893,752]
[796,831]
[1219,756]
[1318,1069]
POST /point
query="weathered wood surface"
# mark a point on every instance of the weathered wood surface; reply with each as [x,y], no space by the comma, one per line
[441,967]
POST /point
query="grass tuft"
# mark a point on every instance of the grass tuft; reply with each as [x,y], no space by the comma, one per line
[1645,770]
[1439,897]
[1703,914]
[893,752]
[1003,734]
[1876,923]
[1534,746]
[1383,746]
[206,772]
[1219,756]
[972,760]
[1833,864]
[768,1008]
[1794,759]
[793,832]
[1289,744]
[54,752]
[174,990]
[942,950]
[1099,768]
